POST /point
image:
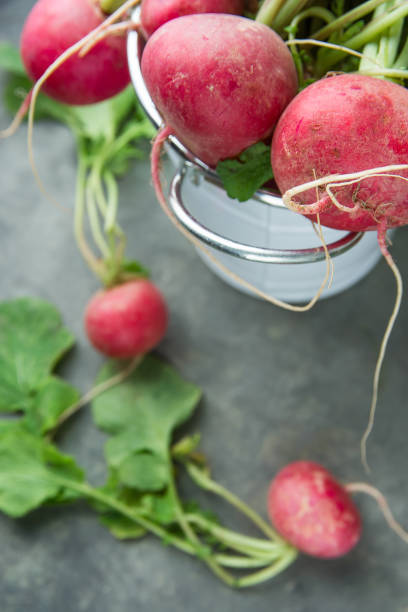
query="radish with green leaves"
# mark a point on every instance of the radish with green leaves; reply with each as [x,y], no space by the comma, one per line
[312,511]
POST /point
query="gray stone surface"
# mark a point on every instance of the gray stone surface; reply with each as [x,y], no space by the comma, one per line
[277,386]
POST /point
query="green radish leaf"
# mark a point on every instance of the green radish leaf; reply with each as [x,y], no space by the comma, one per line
[133,269]
[33,472]
[122,527]
[10,59]
[161,507]
[101,121]
[141,414]
[32,341]
[243,175]
[144,470]
[17,88]
[53,398]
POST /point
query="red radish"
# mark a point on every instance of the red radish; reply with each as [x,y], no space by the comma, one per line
[219,81]
[312,511]
[341,125]
[127,320]
[154,13]
[50,29]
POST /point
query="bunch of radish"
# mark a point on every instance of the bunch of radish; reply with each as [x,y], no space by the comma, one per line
[222,83]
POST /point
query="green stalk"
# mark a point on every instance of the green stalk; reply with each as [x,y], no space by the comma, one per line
[204,481]
[270,572]
[338,24]
[318,12]
[137,517]
[268,11]
[94,222]
[238,562]
[384,50]
[389,44]
[110,6]
[192,536]
[288,10]
[112,204]
[93,263]
[133,132]
[255,547]
[372,31]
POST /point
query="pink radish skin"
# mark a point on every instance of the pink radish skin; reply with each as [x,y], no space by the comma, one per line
[154,13]
[312,511]
[340,125]
[127,320]
[52,27]
[219,81]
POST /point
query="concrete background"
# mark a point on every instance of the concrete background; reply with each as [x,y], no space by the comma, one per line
[278,386]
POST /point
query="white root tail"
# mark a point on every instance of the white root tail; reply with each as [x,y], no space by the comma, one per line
[384,342]
[336,180]
[363,487]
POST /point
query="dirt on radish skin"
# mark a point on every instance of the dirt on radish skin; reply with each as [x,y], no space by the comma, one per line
[51,28]
[219,81]
[127,320]
[312,511]
[341,125]
[154,13]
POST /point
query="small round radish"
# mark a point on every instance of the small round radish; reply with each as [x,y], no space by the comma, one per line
[154,13]
[51,28]
[219,81]
[312,511]
[126,320]
[342,125]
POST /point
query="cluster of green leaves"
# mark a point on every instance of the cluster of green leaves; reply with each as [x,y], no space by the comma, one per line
[140,414]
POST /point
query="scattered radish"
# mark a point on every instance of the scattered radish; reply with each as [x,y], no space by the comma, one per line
[312,511]
[53,27]
[154,13]
[219,81]
[126,320]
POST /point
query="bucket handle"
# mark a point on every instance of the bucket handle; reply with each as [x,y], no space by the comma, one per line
[177,208]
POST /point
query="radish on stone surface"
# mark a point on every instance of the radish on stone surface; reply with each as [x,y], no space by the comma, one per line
[315,513]
[127,320]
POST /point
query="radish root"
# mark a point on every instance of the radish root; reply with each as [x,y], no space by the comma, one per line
[158,143]
[391,321]
[115,29]
[336,180]
[18,117]
[363,487]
